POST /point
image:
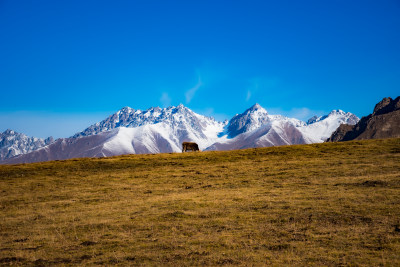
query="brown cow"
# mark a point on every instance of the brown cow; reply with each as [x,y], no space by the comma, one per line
[189,146]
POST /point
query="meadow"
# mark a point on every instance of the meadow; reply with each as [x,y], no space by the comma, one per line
[323,204]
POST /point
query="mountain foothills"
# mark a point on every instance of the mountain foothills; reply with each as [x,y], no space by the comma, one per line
[384,122]
[162,130]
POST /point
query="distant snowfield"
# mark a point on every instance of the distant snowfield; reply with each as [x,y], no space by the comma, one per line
[157,130]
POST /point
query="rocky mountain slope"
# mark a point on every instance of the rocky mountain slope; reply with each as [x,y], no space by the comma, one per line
[13,144]
[384,122]
[158,130]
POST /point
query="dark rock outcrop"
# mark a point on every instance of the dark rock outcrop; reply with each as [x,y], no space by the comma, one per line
[384,122]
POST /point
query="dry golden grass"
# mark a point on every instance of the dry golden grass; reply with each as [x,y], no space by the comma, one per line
[321,204]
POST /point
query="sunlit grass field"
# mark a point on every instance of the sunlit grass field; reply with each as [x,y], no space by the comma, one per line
[321,204]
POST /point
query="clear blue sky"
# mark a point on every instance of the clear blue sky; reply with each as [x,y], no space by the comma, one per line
[67,64]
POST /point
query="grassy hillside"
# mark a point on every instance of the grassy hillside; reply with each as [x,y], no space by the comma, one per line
[322,204]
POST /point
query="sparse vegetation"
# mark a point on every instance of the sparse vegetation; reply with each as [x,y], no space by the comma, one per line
[321,204]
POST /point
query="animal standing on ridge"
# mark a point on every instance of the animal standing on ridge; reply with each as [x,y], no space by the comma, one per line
[189,146]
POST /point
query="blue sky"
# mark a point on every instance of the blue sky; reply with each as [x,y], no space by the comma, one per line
[67,64]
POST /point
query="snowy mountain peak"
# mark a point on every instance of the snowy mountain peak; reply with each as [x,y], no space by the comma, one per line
[345,117]
[252,118]
[13,144]
[180,119]
[318,129]
[313,119]
[8,132]
[256,107]
[336,112]
[180,109]
[126,110]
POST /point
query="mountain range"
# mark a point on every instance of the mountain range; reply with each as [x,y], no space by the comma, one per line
[161,130]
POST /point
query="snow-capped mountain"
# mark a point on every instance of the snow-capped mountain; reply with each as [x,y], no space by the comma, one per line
[273,133]
[13,144]
[146,139]
[130,131]
[254,118]
[160,130]
[251,119]
[318,129]
[182,123]
[256,128]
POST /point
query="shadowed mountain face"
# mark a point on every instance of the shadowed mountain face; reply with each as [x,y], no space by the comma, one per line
[384,122]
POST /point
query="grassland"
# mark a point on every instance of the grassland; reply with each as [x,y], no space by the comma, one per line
[321,204]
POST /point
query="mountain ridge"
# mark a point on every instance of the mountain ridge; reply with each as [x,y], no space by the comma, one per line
[13,144]
[159,130]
